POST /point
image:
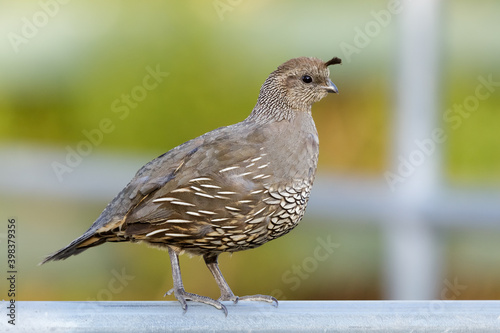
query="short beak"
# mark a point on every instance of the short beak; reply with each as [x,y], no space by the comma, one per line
[331,87]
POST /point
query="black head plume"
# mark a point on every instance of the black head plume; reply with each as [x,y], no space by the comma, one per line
[333,61]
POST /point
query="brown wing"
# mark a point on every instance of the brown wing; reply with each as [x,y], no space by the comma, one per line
[215,206]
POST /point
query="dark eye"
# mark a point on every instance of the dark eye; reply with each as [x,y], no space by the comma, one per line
[307,79]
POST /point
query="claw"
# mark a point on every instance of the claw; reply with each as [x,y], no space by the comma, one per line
[183,305]
[224,309]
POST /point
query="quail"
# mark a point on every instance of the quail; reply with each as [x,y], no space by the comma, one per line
[231,189]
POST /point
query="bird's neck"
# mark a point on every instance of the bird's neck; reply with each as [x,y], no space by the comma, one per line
[274,104]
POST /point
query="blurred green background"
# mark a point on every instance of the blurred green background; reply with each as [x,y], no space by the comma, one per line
[66,76]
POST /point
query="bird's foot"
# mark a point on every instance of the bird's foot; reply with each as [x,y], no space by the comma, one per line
[259,298]
[183,296]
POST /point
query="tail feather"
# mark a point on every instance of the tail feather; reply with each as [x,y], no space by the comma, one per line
[77,246]
[102,231]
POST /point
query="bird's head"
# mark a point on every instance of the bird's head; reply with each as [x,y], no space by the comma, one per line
[295,86]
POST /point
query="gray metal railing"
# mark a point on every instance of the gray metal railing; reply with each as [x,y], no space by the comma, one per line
[411,217]
[289,316]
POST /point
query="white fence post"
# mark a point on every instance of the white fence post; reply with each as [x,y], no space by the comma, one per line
[413,255]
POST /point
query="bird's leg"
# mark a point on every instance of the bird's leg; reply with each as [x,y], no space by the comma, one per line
[178,289]
[226,294]
[225,291]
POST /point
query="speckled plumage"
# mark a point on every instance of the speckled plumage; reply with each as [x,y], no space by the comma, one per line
[231,189]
